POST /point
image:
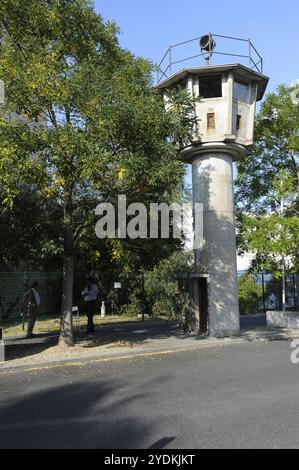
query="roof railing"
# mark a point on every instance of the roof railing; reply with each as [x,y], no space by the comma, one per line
[169,64]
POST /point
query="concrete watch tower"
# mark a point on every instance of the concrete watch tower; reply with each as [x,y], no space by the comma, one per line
[226,114]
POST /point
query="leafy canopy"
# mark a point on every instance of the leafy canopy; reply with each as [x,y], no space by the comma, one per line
[87,120]
[276,149]
[268,179]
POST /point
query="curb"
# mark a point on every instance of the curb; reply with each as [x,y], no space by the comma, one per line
[148,352]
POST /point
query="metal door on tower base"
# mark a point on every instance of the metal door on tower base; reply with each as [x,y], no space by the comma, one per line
[193,292]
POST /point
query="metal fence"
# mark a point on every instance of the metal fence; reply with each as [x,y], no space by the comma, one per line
[13,287]
[272,291]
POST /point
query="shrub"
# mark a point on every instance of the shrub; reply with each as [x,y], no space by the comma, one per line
[161,284]
[250,294]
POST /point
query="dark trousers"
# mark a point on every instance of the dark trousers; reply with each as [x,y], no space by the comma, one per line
[90,309]
[32,313]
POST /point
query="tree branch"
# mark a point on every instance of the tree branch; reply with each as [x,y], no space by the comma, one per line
[81,228]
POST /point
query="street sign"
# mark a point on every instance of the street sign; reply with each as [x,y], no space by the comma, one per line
[117,285]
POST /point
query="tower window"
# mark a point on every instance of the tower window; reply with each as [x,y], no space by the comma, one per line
[210,87]
[241,92]
[211,121]
[239,121]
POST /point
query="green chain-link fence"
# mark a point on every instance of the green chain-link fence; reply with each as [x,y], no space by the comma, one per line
[13,287]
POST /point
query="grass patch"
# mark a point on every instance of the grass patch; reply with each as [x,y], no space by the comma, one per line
[46,324]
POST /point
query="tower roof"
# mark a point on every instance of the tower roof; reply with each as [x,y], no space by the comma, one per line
[239,71]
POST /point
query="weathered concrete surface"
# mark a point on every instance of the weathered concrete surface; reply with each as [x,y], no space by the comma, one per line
[224,134]
[283,319]
[233,109]
[213,187]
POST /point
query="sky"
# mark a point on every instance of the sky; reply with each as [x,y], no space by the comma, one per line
[149,27]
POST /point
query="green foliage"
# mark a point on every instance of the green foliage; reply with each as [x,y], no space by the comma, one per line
[30,234]
[181,106]
[276,149]
[161,283]
[267,179]
[82,122]
[250,294]
[134,306]
[274,237]
[109,131]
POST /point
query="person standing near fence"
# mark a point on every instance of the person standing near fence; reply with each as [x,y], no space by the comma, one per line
[90,295]
[32,304]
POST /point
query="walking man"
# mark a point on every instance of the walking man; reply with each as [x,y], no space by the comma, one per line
[32,304]
[90,295]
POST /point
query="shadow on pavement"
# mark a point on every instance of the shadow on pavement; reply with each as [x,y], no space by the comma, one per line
[138,333]
[108,335]
[18,348]
[253,321]
[75,416]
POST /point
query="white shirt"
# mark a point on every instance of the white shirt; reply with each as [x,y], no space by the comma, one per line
[37,297]
[92,293]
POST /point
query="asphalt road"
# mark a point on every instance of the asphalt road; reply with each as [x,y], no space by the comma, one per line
[236,396]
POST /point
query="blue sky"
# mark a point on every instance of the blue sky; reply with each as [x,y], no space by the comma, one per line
[149,27]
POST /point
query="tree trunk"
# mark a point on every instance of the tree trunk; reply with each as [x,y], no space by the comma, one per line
[66,333]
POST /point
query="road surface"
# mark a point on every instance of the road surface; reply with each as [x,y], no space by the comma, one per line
[236,396]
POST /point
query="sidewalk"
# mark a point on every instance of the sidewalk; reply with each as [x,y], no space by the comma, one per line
[130,339]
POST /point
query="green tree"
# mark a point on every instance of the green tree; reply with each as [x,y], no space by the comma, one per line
[91,124]
[250,294]
[274,236]
[276,149]
[30,233]
[161,283]
[267,187]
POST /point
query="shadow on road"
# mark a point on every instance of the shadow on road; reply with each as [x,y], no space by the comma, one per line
[78,415]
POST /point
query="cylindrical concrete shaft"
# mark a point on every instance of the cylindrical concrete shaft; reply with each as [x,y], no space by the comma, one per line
[213,187]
